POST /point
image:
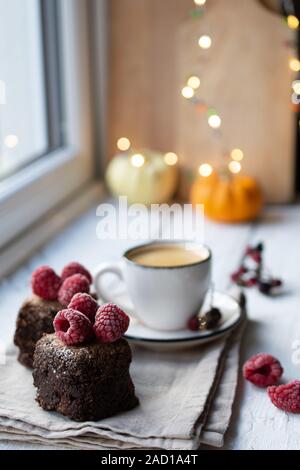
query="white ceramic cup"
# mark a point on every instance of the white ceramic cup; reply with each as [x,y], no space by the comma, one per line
[164,298]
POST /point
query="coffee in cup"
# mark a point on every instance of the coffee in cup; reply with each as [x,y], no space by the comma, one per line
[166,281]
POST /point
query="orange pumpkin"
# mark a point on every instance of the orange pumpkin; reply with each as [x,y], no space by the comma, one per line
[228,198]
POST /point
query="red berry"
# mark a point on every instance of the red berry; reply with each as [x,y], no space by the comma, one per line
[85,304]
[265,287]
[45,283]
[71,286]
[193,323]
[248,250]
[72,327]
[235,277]
[251,282]
[110,323]
[262,370]
[256,256]
[75,268]
[276,283]
[286,397]
[242,270]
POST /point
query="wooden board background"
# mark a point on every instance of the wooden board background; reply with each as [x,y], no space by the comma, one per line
[143,79]
[153,46]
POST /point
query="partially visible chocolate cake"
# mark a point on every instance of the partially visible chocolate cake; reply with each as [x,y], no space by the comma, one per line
[34,319]
[51,293]
[85,382]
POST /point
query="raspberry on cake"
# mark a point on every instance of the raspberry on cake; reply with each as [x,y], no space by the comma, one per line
[45,283]
[71,286]
[72,327]
[36,315]
[110,323]
[85,304]
[75,268]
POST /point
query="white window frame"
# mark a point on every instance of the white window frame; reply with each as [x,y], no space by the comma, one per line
[33,191]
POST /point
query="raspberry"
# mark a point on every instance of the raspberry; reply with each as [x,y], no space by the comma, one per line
[72,327]
[85,304]
[265,287]
[276,282]
[71,286]
[193,323]
[286,397]
[45,283]
[256,256]
[262,370]
[75,268]
[251,282]
[235,277]
[110,323]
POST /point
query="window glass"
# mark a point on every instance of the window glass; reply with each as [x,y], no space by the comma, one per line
[23,114]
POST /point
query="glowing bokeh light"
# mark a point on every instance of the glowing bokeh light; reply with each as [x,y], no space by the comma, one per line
[205,41]
[205,169]
[234,167]
[292,22]
[237,155]
[137,160]
[187,92]
[294,65]
[214,121]
[171,158]
[194,82]
[123,144]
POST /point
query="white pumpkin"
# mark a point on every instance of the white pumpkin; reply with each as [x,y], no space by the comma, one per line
[154,182]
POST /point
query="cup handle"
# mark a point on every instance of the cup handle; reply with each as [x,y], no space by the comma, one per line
[109,268]
[101,270]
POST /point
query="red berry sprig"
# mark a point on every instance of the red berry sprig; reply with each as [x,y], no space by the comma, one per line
[207,321]
[256,274]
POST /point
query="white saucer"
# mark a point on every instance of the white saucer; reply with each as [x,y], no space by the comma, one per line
[141,335]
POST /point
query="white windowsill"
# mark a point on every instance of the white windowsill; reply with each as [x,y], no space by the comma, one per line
[34,171]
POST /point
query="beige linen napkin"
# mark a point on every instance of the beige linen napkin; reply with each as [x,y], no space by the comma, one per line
[185,400]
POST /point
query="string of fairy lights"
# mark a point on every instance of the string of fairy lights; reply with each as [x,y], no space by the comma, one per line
[193,84]
[214,120]
[190,92]
[138,160]
[294,62]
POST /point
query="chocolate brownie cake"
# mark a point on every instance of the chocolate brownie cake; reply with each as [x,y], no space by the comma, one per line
[84,382]
[35,318]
